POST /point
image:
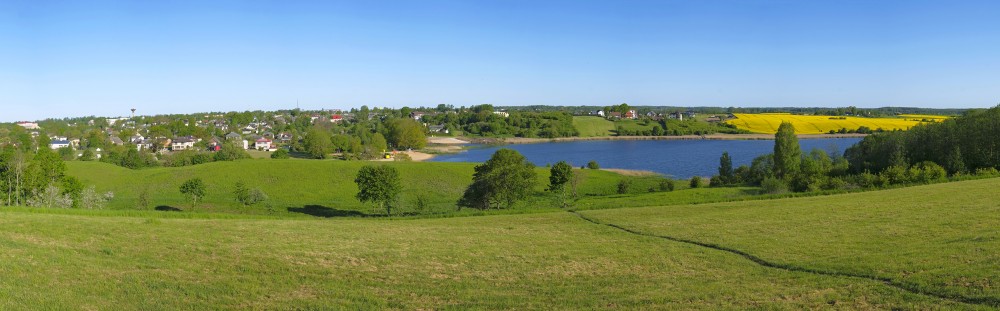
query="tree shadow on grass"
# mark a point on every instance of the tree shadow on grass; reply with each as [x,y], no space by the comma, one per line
[167,208]
[323,211]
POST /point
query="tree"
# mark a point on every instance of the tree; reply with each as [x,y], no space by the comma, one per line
[230,152]
[193,188]
[559,175]
[695,182]
[317,143]
[88,155]
[379,184]
[405,133]
[500,181]
[593,165]
[787,153]
[726,168]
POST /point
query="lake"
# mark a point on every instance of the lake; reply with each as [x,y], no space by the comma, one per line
[676,158]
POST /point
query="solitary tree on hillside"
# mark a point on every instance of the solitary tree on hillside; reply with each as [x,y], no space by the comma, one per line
[193,188]
[787,153]
[500,182]
[559,175]
[379,184]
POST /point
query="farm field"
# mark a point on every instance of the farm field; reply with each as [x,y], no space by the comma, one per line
[768,123]
[593,126]
[925,237]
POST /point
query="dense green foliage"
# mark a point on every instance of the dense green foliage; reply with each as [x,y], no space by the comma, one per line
[379,184]
[482,121]
[960,145]
[560,174]
[787,153]
[501,181]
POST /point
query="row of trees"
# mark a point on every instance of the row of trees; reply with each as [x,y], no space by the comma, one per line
[926,153]
[364,139]
[37,177]
[482,121]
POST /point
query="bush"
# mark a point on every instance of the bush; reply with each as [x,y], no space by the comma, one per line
[716,181]
[834,183]
[624,185]
[666,185]
[869,180]
[696,182]
[771,185]
[987,172]
[405,157]
[927,172]
[249,196]
[280,154]
[593,165]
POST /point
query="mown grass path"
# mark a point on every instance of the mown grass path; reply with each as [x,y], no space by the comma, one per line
[909,287]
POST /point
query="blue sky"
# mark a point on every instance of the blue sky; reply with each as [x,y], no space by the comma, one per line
[78,58]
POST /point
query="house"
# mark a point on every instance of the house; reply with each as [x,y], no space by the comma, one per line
[233,136]
[182,143]
[29,125]
[502,114]
[136,139]
[676,115]
[336,118]
[600,113]
[690,114]
[144,144]
[615,115]
[416,115]
[250,129]
[631,114]
[713,119]
[117,141]
[267,134]
[262,144]
[56,144]
[438,129]
[285,138]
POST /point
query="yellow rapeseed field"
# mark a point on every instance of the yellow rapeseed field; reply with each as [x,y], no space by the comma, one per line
[768,123]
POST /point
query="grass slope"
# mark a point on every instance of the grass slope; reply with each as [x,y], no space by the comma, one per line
[941,238]
[593,126]
[313,187]
[538,261]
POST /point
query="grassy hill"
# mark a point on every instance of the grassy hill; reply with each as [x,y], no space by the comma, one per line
[312,187]
[593,126]
[938,239]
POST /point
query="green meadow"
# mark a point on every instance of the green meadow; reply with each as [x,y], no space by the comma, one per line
[925,247]
[593,126]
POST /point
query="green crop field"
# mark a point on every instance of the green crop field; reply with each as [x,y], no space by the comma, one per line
[593,126]
[923,247]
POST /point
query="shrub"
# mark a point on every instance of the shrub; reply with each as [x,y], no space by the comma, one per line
[835,183]
[249,196]
[895,175]
[987,172]
[666,185]
[696,182]
[280,154]
[593,165]
[405,157]
[771,185]
[716,181]
[927,172]
[624,185]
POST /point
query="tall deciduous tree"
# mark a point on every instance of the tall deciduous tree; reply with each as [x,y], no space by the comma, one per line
[379,184]
[406,133]
[500,182]
[787,153]
[317,143]
[560,174]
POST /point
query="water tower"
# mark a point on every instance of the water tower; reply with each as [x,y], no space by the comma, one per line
[133,112]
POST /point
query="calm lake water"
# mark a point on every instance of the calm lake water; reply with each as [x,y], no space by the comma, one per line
[677,158]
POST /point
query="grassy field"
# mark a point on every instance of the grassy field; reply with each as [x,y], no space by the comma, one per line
[940,238]
[593,126]
[537,261]
[308,187]
[768,123]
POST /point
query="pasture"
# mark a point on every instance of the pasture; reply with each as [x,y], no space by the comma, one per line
[768,123]
[934,248]
[593,126]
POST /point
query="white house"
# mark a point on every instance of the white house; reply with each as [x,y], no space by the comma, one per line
[182,143]
[262,144]
[29,125]
[56,144]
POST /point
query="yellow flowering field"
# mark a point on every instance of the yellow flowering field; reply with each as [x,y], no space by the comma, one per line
[768,123]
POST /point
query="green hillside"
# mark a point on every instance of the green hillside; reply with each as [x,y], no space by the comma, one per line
[321,188]
[593,126]
[920,244]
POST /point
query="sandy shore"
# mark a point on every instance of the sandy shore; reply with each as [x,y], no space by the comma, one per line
[521,140]
[445,141]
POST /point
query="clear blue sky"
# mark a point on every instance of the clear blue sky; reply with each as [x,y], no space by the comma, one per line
[78,58]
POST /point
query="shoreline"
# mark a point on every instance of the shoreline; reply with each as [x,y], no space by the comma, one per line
[522,140]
